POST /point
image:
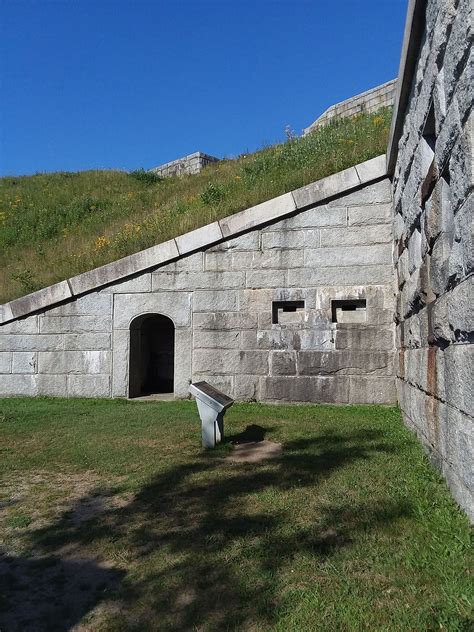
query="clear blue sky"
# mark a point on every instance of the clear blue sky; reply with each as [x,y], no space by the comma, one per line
[89,84]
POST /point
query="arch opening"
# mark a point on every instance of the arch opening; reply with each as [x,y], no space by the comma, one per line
[151,368]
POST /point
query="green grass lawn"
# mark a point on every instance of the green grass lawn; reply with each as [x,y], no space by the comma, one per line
[112,517]
[56,225]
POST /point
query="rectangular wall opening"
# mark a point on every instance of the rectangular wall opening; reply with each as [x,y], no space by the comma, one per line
[287,312]
[349,311]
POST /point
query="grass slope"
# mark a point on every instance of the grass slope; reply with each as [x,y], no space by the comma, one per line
[53,226]
[113,516]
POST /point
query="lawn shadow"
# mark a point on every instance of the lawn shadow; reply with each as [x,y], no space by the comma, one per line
[50,593]
[206,554]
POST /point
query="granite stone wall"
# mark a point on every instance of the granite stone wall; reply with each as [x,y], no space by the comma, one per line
[369,101]
[188,165]
[259,316]
[434,256]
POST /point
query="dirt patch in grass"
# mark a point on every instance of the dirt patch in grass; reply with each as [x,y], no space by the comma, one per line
[254,452]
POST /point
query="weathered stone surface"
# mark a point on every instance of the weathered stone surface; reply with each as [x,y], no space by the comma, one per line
[249,241]
[66,362]
[199,238]
[246,388]
[257,300]
[349,256]
[223,320]
[216,339]
[183,361]
[37,300]
[216,300]
[74,324]
[87,342]
[372,390]
[435,305]
[454,373]
[5,362]
[453,313]
[369,215]
[223,383]
[88,385]
[355,275]
[265,278]
[306,389]
[120,362]
[315,217]
[377,193]
[266,259]
[291,239]
[372,169]
[230,361]
[93,304]
[33,342]
[256,215]
[139,283]
[5,313]
[283,363]
[197,280]
[326,188]
[364,338]
[345,362]
[124,267]
[18,385]
[51,385]
[175,305]
[189,263]
[24,362]
[368,235]
[27,325]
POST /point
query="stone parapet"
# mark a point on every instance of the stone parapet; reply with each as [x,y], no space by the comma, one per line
[366,102]
[188,165]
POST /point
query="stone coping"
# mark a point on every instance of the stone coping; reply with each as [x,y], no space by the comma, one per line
[414,26]
[272,210]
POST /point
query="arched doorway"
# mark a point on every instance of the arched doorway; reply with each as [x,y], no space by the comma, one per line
[151,367]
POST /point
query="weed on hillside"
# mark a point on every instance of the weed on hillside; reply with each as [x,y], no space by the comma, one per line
[53,226]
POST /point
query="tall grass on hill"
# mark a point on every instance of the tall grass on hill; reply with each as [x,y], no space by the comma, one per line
[53,226]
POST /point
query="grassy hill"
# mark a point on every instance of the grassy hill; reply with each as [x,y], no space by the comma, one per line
[56,225]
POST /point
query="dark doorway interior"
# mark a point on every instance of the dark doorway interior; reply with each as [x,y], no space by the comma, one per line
[151,355]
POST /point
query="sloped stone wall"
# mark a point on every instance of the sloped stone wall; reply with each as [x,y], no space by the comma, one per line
[433,204]
[221,301]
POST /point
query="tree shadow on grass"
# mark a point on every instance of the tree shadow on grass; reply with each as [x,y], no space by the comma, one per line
[49,593]
[208,552]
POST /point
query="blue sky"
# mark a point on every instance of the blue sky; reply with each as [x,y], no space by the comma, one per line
[89,84]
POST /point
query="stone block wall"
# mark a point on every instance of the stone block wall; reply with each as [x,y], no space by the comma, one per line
[434,248]
[191,164]
[369,101]
[224,302]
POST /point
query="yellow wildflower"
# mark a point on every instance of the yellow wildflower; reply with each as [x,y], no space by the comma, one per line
[101,242]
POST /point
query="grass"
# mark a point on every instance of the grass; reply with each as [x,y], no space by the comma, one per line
[114,518]
[53,226]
